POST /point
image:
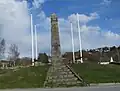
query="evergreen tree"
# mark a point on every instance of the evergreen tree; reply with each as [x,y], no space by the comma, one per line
[42,57]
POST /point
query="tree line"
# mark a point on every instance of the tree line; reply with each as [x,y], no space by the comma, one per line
[97,54]
[13,52]
[104,52]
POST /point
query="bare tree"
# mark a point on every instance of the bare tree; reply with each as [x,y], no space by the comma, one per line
[13,52]
[2,48]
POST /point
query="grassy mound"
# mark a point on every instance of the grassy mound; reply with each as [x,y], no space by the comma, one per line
[95,73]
[31,77]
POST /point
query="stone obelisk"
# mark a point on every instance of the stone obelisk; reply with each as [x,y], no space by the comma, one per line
[59,74]
[55,41]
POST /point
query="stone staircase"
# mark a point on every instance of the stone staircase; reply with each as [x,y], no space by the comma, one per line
[61,75]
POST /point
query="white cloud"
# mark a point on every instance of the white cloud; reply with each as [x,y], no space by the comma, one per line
[83,18]
[15,25]
[92,36]
[106,2]
[112,35]
[38,3]
[14,20]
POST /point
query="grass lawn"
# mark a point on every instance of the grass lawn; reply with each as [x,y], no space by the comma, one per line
[31,77]
[95,73]
[4,71]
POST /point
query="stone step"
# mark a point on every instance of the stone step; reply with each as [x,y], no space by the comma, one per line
[65,72]
[61,75]
[75,79]
[64,69]
[64,80]
[78,82]
[61,71]
[70,75]
[61,65]
[64,84]
[71,83]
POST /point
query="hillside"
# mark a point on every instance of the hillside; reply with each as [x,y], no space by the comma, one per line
[95,73]
[96,55]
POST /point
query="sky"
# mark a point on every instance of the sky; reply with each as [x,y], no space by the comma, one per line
[99,23]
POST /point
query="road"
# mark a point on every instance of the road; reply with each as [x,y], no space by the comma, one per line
[100,88]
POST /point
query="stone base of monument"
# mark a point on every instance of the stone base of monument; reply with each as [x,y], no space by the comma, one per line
[61,75]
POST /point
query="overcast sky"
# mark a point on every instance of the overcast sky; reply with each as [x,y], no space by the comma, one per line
[99,20]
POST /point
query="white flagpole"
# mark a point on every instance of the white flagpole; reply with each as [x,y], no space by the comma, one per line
[72,43]
[36,49]
[32,41]
[80,43]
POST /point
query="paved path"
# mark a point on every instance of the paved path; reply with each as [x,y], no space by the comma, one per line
[101,88]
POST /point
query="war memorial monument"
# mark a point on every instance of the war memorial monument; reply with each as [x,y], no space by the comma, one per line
[59,74]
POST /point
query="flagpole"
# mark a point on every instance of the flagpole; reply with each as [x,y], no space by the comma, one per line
[80,43]
[32,41]
[72,43]
[36,49]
